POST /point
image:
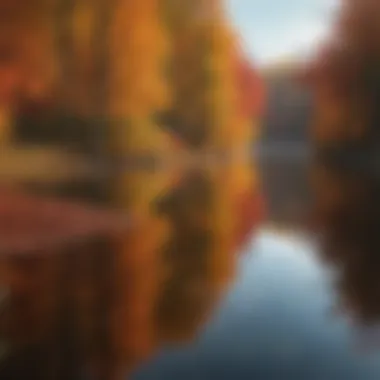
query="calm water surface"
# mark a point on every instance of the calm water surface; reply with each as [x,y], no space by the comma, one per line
[265,271]
[297,307]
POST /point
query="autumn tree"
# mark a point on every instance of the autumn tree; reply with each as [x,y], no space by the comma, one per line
[106,60]
[138,88]
[205,76]
[345,77]
[26,67]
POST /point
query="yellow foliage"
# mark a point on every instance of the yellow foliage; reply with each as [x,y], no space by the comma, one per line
[137,87]
[203,81]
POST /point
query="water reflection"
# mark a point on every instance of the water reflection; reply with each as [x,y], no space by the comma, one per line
[103,306]
[279,318]
[348,215]
[202,284]
[286,187]
[207,228]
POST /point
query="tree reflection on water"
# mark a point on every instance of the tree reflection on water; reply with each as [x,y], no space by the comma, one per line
[347,209]
[106,305]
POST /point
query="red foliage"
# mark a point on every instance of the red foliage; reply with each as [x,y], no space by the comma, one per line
[251,88]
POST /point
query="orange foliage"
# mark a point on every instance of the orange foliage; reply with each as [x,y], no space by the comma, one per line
[211,83]
[251,89]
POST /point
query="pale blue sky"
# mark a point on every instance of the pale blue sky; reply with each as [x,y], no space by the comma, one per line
[274,29]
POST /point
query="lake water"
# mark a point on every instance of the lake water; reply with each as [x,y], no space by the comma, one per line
[257,271]
[284,314]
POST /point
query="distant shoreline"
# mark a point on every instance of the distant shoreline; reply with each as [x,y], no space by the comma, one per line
[283,149]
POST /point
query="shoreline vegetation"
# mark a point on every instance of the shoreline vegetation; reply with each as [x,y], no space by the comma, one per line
[179,80]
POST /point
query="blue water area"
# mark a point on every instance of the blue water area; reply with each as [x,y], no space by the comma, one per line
[278,321]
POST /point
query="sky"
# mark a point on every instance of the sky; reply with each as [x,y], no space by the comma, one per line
[272,30]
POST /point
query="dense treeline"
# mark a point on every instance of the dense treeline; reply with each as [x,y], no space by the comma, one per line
[116,76]
[345,78]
